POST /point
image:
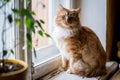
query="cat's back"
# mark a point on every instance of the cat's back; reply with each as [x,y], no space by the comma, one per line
[88,35]
[86,30]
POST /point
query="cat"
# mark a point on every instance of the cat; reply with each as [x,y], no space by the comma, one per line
[80,48]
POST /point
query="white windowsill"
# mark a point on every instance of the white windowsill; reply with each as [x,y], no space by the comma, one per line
[44,54]
[46,66]
[111,69]
[47,59]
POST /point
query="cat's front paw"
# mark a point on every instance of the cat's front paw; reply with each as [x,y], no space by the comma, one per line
[61,69]
[69,71]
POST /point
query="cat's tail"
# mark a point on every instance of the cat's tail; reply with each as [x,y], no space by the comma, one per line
[97,72]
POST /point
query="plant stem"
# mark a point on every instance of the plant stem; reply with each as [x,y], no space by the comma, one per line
[3,42]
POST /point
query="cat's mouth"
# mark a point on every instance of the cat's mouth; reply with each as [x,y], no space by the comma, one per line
[68,22]
[69,25]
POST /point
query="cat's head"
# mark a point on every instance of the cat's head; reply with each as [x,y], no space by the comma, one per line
[67,18]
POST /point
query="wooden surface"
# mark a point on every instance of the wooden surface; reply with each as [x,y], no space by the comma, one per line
[110,27]
[116,76]
[111,69]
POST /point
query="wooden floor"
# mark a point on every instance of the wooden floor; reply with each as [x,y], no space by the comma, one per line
[111,68]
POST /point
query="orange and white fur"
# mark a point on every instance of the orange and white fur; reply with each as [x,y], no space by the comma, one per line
[80,48]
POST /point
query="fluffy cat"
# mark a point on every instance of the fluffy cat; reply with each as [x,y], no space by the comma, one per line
[80,48]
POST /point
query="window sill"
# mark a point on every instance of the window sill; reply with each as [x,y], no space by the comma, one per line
[46,66]
[111,68]
[44,54]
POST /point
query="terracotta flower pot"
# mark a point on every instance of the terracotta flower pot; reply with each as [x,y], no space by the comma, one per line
[15,75]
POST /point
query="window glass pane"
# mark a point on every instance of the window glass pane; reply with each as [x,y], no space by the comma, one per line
[8,29]
[40,7]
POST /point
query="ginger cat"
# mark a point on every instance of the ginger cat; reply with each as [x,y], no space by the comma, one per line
[80,48]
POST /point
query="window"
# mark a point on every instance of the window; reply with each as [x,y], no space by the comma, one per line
[7,28]
[43,45]
[40,7]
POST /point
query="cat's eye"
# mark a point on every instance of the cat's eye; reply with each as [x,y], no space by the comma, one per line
[63,16]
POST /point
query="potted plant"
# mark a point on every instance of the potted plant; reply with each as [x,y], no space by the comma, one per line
[16,69]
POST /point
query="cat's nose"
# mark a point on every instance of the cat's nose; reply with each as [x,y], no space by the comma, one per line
[69,19]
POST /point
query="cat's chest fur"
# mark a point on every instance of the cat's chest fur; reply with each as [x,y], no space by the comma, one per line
[59,36]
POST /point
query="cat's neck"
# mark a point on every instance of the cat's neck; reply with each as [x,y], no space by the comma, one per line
[60,32]
[75,27]
[68,30]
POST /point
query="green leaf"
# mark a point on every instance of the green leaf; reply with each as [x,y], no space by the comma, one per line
[29,23]
[12,51]
[4,52]
[36,26]
[16,11]
[33,13]
[35,53]
[26,12]
[47,35]
[30,45]
[6,0]
[17,22]
[33,29]
[40,33]
[23,12]
[10,19]
[39,24]
[29,37]
[42,21]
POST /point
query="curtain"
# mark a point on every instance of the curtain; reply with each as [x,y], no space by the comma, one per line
[113,29]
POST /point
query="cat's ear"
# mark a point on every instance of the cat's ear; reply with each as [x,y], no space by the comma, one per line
[78,10]
[61,7]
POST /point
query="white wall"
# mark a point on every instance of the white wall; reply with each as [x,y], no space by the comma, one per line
[93,15]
